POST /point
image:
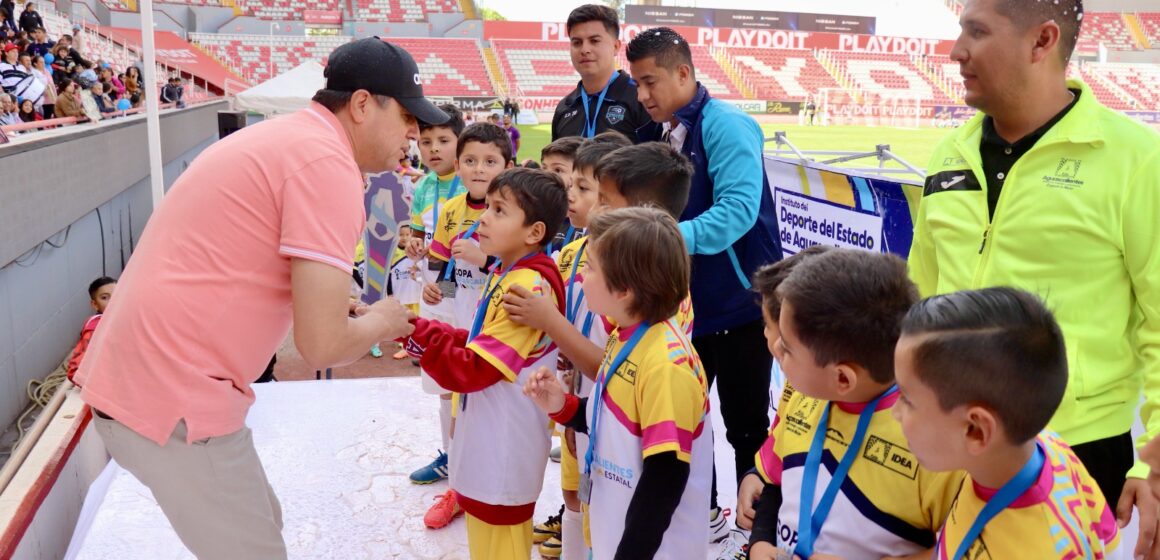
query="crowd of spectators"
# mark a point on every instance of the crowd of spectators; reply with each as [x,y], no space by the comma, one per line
[44,78]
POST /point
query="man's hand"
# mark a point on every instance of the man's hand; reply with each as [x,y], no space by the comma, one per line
[545,390]
[358,308]
[747,494]
[396,319]
[1137,493]
[526,308]
[464,250]
[416,250]
[432,295]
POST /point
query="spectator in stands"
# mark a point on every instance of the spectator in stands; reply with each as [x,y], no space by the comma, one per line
[24,62]
[16,79]
[7,27]
[101,98]
[68,100]
[605,98]
[63,65]
[513,134]
[114,88]
[42,75]
[1078,226]
[168,376]
[173,92]
[87,75]
[28,112]
[132,81]
[41,44]
[30,19]
[67,40]
[730,230]
[8,112]
[7,9]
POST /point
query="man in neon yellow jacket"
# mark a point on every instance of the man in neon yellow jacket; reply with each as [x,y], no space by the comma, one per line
[1048,190]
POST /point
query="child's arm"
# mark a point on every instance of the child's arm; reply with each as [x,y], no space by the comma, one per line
[540,313]
[443,354]
[765,516]
[78,353]
[657,495]
[545,390]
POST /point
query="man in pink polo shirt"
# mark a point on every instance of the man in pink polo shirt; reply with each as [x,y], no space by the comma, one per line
[257,233]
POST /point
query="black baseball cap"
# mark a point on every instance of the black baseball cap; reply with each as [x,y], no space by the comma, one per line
[382,69]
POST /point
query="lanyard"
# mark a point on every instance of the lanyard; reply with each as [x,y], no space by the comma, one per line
[590,121]
[1006,495]
[450,193]
[810,525]
[485,301]
[573,308]
[567,238]
[601,384]
[466,235]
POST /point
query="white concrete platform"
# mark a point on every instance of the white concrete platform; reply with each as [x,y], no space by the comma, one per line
[338,454]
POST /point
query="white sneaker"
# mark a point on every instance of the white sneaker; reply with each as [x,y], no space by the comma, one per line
[735,546]
[718,524]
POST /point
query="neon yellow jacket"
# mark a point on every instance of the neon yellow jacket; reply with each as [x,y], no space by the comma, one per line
[1077,222]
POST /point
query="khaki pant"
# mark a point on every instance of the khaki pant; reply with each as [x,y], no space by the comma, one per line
[214,491]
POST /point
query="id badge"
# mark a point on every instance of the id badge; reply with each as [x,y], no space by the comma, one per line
[585,489]
[448,288]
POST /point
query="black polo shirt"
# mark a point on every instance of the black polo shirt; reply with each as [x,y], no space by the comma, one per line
[620,111]
[999,155]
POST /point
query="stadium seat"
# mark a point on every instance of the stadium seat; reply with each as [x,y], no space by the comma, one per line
[889,75]
[1124,86]
[260,57]
[782,75]
[449,66]
[1107,28]
[1151,24]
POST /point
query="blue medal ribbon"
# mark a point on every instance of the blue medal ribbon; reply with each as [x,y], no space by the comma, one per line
[450,272]
[601,385]
[1020,483]
[572,308]
[810,523]
[481,310]
[590,120]
[450,192]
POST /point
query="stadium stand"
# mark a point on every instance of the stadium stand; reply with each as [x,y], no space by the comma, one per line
[1106,28]
[285,10]
[1150,22]
[544,68]
[260,57]
[782,74]
[402,10]
[449,66]
[887,75]
[1131,86]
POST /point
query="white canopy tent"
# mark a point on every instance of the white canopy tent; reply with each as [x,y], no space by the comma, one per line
[285,93]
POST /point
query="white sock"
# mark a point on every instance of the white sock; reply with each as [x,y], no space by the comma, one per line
[445,422]
[572,536]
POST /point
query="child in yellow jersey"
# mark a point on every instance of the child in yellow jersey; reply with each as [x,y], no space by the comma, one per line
[558,157]
[437,144]
[981,373]
[839,477]
[483,151]
[648,463]
[658,171]
[500,448]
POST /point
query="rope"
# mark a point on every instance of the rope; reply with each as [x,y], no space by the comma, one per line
[39,391]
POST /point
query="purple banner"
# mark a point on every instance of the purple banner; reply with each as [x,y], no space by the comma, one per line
[387,208]
[1149,117]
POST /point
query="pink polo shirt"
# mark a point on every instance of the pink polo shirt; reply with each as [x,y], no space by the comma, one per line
[205,300]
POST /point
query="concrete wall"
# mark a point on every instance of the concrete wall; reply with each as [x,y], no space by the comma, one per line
[1120,6]
[66,180]
[1151,56]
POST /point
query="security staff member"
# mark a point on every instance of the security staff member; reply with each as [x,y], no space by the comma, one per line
[605,98]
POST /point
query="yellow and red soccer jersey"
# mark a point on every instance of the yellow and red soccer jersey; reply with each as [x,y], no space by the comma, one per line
[888,504]
[430,198]
[455,221]
[501,442]
[655,402]
[1062,516]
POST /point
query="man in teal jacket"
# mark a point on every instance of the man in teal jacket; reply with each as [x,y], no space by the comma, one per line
[1048,190]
